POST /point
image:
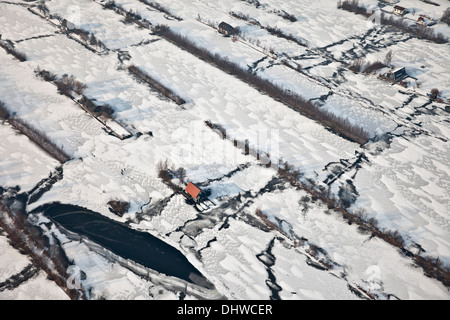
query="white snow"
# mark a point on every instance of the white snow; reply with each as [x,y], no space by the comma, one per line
[404,184]
[19,168]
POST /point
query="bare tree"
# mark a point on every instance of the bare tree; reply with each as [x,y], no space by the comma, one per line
[356,65]
[4,113]
[79,87]
[181,174]
[388,58]
[434,93]
[163,170]
[93,40]
[446,16]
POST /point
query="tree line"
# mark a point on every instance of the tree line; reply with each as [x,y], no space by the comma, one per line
[37,136]
[342,126]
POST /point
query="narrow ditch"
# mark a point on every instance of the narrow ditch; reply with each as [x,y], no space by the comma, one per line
[268,259]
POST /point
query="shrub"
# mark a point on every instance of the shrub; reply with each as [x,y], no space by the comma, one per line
[267,222]
[256,3]
[67,84]
[374,66]
[118,207]
[217,128]
[4,113]
[79,87]
[110,4]
[446,16]
[388,58]
[288,16]
[131,16]
[356,65]
[434,93]
[181,174]
[434,267]
[43,8]
[46,75]
[14,52]
[279,33]
[353,6]
[105,111]
[163,170]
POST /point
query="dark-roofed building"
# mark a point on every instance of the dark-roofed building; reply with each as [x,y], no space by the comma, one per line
[397,74]
[398,10]
[226,29]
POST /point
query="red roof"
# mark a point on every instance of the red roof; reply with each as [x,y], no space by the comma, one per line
[192,189]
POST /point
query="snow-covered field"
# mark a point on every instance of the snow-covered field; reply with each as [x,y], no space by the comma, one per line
[35,287]
[403,179]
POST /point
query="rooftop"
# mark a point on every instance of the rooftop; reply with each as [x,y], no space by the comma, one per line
[192,189]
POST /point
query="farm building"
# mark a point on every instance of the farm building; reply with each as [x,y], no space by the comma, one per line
[398,10]
[226,29]
[193,191]
[425,20]
[397,74]
[104,111]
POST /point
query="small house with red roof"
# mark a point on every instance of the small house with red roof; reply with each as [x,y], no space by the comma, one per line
[193,191]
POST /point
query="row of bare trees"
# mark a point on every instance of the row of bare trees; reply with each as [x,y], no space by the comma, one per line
[166,171]
[130,15]
[159,7]
[47,254]
[287,16]
[37,136]
[141,74]
[342,126]
[272,30]
[66,84]
[13,51]
[360,64]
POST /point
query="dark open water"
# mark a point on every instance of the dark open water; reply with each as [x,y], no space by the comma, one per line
[128,243]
